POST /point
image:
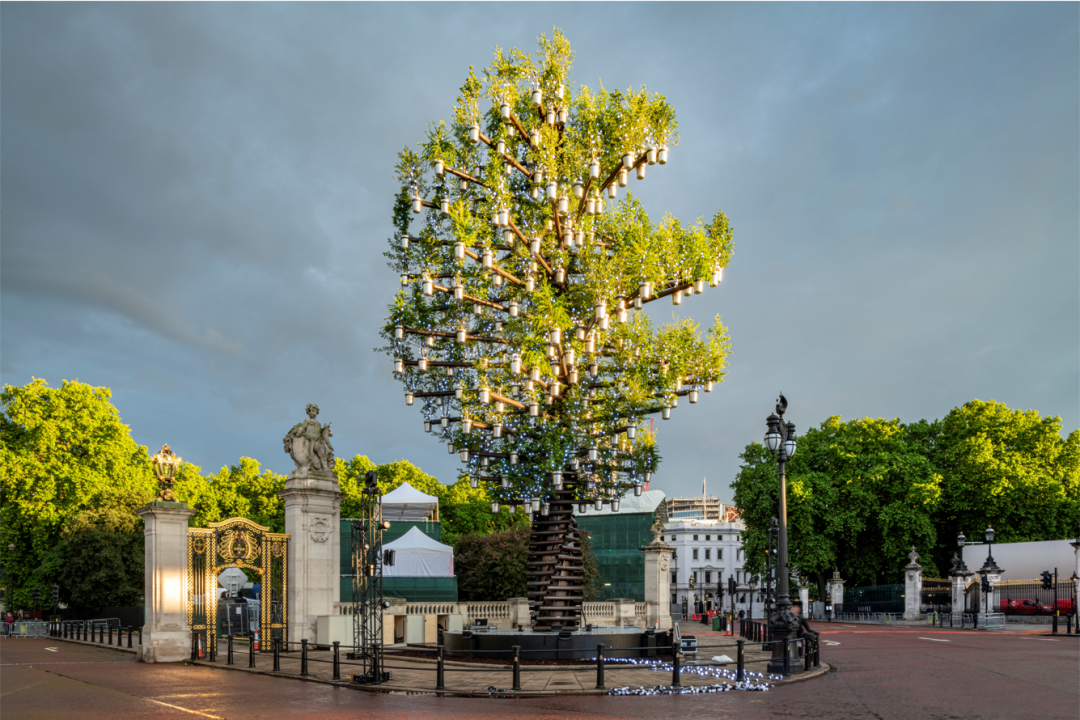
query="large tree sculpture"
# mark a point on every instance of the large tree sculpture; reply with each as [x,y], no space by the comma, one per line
[516,326]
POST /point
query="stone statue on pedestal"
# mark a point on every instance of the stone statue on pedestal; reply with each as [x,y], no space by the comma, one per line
[309,444]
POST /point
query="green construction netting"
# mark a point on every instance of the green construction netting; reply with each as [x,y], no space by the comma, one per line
[617,540]
[413,589]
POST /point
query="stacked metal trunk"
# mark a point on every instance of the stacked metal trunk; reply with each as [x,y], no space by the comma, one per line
[556,570]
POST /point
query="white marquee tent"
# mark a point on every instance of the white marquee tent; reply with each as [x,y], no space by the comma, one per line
[407,504]
[417,555]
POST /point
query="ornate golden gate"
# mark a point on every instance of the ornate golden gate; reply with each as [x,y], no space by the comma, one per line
[237,542]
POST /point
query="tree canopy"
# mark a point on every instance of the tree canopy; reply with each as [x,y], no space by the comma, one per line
[862,492]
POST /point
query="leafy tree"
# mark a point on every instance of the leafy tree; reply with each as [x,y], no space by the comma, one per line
[236,491]
[859,496]
[1006,469]
[98,561]
[63,452]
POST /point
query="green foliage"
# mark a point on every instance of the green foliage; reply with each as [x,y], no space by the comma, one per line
[63,452]
[236,491]
[862,492]
[610,368]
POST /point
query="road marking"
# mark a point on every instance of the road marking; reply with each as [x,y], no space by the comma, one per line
[935,639]
[831,642]
[1043,639]
[53,649]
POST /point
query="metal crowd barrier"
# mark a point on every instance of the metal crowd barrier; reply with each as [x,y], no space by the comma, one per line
[30,629]
[871,618]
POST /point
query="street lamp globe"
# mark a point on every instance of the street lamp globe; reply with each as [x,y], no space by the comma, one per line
[989,534]
[961,540]
[772,437]
[789,444]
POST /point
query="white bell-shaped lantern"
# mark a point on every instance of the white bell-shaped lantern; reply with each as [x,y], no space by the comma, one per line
[555,336]
[404,278]
[662,155]
[494,507]
[463,184]
[500,147]
[590,205]
[666,414]
[497,429]
[474,482]
[559,91]
[459,250]
[572,376]
[599,504]
[504,110]
[590,343]
[628,160]
[535,502]
[556,480]
[560,275]
[486,259]
[530,283]
[708,386]
[645,290]
[624,176]
[513,309]
[579,189]
[537,97]
[459,291]
[461,335]
[676,298]
[637,490]
[399,332]
[427,286]
[534,409]
[404,242]
[604,324]
[417,203]
[534,192]
[421,365]
[612,190]
[593,453]
[717,276]
[600,309]
[534,246]
[594,169]
[641,171]
[485,396]
[513,457]
[693,396]
[564,204]
[445,423]
[570,357]
[563,116]
[549,116]
[650,156]
[503,482]
[427,425]
[504,217]
[477,309]
[439,167]
[399,365]
[466,426]
[515,364]
[614,504]
[465,455]
[408,398]
[699,287]
[594,369]
[474,133]
[552,190]
[582,507]
[444,206]
[631,432]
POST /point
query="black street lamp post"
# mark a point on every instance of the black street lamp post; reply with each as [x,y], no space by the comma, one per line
[990,564]
[780,439]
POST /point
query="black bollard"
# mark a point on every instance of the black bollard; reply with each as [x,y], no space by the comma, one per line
[817,651]
[599,667]
[303,656]
[337,660]
[806,652]
[251,652]
[277,654]
[740,671]
[1055,621]
[228,650]
[517,667]
[194,647]
[787,657]
[130,631]
[440,668]
[676,669]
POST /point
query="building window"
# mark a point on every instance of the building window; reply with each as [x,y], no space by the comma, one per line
[695,538]
[695,553]
[672,538]
[708,577]
[707,538]
[720,553]
[707,553]
[674,598]
[674,578]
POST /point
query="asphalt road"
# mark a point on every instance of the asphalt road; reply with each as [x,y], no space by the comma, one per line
[880,674]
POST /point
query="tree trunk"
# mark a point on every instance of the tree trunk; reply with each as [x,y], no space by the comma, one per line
[556,569]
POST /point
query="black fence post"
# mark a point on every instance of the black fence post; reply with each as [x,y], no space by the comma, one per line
[806,652]
[517,667]
[817,650]
[337,660]
[251,652]
[675,668]
[1055,622]
[228,651]
[303,656]
[277,654]
[600,667]
[787,656]
[194,647]
[440,668]
[740,666]
[140,636]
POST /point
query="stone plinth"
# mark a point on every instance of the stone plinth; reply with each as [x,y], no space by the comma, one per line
[312,519]
[166,634]
[658,584]
[804,598]
[836,590]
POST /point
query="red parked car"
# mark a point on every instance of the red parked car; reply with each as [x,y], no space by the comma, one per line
[1026,607]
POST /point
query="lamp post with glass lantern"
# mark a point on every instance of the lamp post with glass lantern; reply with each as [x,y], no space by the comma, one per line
[780,439]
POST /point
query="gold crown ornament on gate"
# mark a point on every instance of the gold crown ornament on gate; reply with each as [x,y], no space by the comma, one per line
[166,466]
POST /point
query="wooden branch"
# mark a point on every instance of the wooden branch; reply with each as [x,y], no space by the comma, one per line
[584,197]
[464,176]
[508,401]
[524,135]
[439,393]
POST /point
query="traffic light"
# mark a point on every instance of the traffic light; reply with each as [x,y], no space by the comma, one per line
[719,593]
[54,594]
[731,586]
[37,595]
[1047,580]
[985,585]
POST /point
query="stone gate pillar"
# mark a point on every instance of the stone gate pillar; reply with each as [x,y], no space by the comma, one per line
[836,590]
[313,519]
[912,587]
[658,581]
[959,575]
[166,633]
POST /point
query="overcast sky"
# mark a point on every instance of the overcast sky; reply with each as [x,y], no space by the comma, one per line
[196,198]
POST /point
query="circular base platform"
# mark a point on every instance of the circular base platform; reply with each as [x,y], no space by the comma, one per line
[559,645]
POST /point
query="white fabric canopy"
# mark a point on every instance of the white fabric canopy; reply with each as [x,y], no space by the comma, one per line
[407,504]
[417,555]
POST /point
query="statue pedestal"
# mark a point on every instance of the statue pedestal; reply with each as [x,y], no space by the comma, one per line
[836,591]
[912,587]
[313,519]
[166,634]
[657,585]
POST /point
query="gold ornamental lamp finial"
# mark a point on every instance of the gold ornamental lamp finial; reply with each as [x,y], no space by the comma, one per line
[166,466]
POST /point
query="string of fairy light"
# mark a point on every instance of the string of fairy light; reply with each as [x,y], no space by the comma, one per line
[517,327]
